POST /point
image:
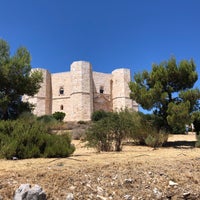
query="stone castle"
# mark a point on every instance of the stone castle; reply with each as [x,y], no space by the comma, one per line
[80,92]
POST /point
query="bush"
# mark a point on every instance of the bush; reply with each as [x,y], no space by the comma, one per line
[99,136]
[108,133]
[58,146]
[32,140]
[148,132]
[59,116]
[155,139]
[46,119]
[98,115]
[28,116]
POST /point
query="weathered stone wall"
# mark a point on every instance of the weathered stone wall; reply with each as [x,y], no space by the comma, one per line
[102,81]
[121,90]
[61,101]
[43,99]
[80,91]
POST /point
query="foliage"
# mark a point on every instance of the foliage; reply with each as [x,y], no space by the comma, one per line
[166,89]
[46,119]
[98,115]
[59,116]
[148,131]
[31,140]
[196,121]
[16,80]
[155,139]
[178,121]
[108,133]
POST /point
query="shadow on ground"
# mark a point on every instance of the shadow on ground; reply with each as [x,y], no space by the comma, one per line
[180,144]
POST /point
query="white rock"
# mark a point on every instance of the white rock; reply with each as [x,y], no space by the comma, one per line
[99,190]
[101,197]
[70,196]
[172,183]
[157,193]
[127,197]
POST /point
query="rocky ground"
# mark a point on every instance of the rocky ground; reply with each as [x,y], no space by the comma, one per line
[138,172]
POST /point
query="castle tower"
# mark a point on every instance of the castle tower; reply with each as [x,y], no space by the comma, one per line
[43,99]
[121,91]
[81,91]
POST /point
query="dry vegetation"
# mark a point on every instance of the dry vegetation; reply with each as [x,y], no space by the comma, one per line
[136,173]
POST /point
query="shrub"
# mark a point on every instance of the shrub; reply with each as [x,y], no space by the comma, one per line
[31,140]
[98,115]
[47,119]
[147,132]
[28,116]
[155,139]
[58,146]
[108,133]
[99,136]
[59,116]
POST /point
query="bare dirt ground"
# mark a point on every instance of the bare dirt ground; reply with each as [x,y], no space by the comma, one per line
[138,172]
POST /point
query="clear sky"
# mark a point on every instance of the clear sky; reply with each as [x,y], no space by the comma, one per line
[108,33]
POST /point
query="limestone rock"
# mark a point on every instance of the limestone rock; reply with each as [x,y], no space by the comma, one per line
[70,196]
[172,183]
[25,192]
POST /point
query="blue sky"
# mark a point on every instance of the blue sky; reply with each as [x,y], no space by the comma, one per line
[109,33]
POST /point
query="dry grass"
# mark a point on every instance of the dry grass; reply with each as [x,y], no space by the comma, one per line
[140,172]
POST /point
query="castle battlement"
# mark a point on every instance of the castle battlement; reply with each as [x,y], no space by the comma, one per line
[80,92]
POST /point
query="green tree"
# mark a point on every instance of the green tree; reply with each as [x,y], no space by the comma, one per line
[166,89]
[16,80]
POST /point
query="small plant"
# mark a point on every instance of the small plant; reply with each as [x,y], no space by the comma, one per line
[156,139]
[59,116]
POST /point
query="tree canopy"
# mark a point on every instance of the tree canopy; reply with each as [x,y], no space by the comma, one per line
[168,91]
[16,80]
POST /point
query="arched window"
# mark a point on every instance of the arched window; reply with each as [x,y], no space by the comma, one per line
[61,107]
[101,90]
[61,91]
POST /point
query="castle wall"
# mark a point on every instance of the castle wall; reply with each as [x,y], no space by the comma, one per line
[121,91]
[81,91]
[102,80]
[102,101]
[43,99]
[61,91]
